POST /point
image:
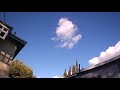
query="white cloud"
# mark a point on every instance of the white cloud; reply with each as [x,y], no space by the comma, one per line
[66,34]
[53,38]
[38,77]
[94,61]
[106,55]
[56,76]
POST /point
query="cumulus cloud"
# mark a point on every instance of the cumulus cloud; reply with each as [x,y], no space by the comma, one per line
[66,34]
[111,52]
[56,76]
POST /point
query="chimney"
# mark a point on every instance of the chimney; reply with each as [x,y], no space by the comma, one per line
[15,33]
[79,67]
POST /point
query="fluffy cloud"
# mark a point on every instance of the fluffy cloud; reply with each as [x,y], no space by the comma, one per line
[56,76]
[106,55]
[66,34]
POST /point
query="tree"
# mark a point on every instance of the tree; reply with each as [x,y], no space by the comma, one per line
[77,67]
[65,73]
[69,72]
[73,69]
[19,70]
[33,76]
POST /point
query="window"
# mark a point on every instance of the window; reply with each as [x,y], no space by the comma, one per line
[1,26]
[3,31]
[1,57]
[2,34]
[5,60]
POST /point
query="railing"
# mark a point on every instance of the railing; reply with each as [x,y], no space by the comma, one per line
[5,58]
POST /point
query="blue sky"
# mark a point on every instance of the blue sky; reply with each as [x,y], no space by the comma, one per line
[98,30]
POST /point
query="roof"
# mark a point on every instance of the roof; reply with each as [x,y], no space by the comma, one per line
[95,66]
[102,63]
[11,28]
[18,41]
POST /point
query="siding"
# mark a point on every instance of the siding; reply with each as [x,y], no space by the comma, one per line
[8,47]
[110,70]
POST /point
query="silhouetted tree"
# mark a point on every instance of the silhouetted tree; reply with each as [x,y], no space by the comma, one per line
[73,69]
[33,76]
[69,72]
[76,67]
[65,73]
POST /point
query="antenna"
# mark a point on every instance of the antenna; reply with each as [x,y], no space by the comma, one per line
[4,16]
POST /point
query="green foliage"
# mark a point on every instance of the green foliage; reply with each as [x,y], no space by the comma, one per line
[73,70]
[65,73]
[69,72]
[34,76]
[19,70]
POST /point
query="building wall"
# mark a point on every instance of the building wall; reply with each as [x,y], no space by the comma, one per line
[4,68]
[111,70]
[8,47]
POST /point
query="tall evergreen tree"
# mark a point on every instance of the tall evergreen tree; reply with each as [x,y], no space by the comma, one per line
[76,67]
[69,72]
[65,73]
[73,69]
